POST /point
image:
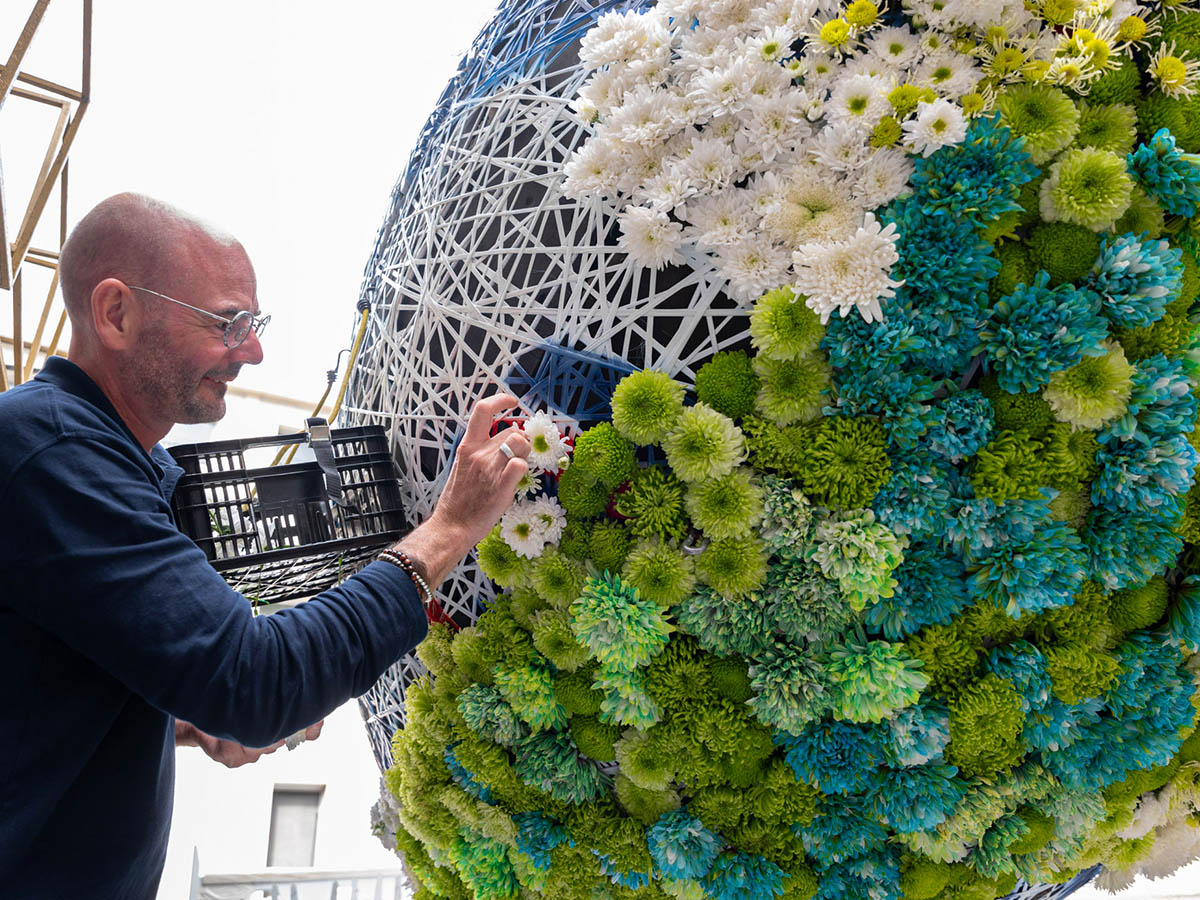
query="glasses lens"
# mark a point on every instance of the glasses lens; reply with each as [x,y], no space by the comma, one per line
[239,328]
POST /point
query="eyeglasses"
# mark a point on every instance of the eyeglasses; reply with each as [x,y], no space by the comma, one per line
[237,329]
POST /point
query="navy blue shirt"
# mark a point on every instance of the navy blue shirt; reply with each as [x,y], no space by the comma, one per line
[113,624]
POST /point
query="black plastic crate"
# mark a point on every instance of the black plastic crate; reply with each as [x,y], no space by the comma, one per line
[273,531]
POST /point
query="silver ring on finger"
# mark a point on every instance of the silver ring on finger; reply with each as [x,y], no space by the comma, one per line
[506,450]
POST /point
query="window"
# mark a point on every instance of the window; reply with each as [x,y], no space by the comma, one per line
[294,824]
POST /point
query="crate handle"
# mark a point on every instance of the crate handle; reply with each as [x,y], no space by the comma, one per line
[318,439]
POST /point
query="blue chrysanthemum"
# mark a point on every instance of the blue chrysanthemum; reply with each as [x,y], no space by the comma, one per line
[1037,330]
[537,835]
[1055,724]
[549,762]
[1033,575]
[1184,621]
[843,828]
[1161,403]
[980,524]
[918,734]
[931,591]
[1168,175]
[1138,477]
[1130,548]
[838,757]
[966,424]
[743,876]
[917,498]
[1136,279]
[1024,667]
[871,876]
[681,846]
[979,179]
[918,798]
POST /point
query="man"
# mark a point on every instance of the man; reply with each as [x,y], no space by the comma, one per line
[116,636]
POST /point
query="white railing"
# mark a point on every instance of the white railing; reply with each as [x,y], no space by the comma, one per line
[300,884]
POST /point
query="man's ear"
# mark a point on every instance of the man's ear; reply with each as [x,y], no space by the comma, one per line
[116,315]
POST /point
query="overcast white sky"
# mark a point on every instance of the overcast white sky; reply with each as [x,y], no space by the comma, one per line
[285,121]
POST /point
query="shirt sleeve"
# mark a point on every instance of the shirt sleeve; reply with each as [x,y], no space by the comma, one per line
[98,562]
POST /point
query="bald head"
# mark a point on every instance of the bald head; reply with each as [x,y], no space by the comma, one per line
[140,241]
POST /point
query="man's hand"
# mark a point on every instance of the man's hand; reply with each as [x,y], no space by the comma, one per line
[481,486]
[230,753]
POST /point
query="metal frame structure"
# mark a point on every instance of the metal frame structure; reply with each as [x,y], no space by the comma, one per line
[71,104]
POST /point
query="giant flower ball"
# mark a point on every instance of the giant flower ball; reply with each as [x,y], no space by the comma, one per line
[897,600]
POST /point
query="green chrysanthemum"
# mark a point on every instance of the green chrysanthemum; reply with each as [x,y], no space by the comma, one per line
[1094,391]
[792,390]
[626,700]
[986,719]
[557,579]
[728,384]
[1066,251]
[576,694]
[659,571]
[1009,468]
[731,679]
[1088,187]
[772,448]
[1072,507]
[1069,455]
[524,602]
[845,463]
[472,655]
[704,444]
[1023,411]
[484,867]
[733,567]
[617,624]
[500,562]
[1105,126]
[554,639]
[529,690]
[859,553]
[1120,84]
[1172,335]
[1144,216]
[641,804]
[726,506]
[581,495]
[608,545]
[646,405]
[1016,267]
[645,757]
[575,539]
[604,455]
[1133,609]
[1085,621]
[873,680]
[593,738]
[653,504]
[948,654]
[783,327]
[1078,672]
[1043,115]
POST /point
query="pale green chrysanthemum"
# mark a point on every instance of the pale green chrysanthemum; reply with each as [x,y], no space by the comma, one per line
[704,444]
[554,639]
[646,759]
[783,327]
[1093,392]
[733,567]
[1107,126]
[874,680]
[726,506]
[859,553]
[1087,187]
[659,571]
[792,390]
[646,405]
[1043,115]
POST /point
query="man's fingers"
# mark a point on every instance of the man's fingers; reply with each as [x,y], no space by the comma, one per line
[514,439]
[484,413]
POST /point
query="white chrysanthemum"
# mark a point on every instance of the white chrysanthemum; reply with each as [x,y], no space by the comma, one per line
[666,190]
[775,125]
[860,99]
[546,448]
[819,70]
[897,46]
[772,44]
[701,49]
[947,72]
[721,219]
[552,516]
[848,275]
[734,15]
[724,89]
[1152,811]
[841,146]
[868,64]
[604,91]
[882,178]
[650,236]
[647,117]
[808,204]
[595,169]
[790,14]
[523,528]
[710,165]
[975,13]
[937,124]
[620,36]
[753,267]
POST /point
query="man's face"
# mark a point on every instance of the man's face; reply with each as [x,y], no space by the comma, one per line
[183,363]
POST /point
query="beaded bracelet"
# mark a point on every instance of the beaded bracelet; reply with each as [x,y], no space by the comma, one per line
[401,559]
